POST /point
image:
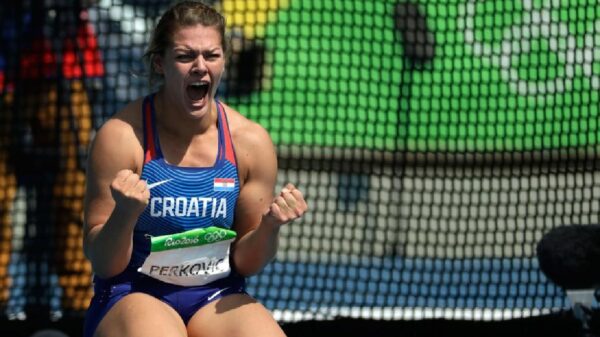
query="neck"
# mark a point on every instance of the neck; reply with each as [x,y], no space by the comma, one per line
[176,120]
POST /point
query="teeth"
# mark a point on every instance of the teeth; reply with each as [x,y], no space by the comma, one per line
[198,84]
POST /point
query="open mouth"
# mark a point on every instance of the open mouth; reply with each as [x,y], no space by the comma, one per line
[196,91]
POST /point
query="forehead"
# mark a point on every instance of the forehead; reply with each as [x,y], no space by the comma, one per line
[197,36]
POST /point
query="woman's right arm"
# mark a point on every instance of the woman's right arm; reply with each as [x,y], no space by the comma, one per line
[115,197]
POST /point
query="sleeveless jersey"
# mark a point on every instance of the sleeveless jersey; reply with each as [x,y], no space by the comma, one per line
[184,198]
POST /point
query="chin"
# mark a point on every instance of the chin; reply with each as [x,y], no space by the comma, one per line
[199,110]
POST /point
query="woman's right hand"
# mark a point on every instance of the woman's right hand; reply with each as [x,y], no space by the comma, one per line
[130,193]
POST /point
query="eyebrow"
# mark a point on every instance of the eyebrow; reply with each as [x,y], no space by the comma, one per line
[190,48]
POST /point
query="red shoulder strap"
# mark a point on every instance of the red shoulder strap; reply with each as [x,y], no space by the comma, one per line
[229,152]
[149,145]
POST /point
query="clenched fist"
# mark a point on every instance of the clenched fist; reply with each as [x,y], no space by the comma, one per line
[287,206]
[129,191]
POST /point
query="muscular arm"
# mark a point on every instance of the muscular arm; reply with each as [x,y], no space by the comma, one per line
[260,214]
[114,198]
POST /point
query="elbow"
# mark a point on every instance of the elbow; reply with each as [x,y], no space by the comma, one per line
[250,256]
[87,251]
[102,266]
[103,274]
[106,271]
[247,272]
[247,267]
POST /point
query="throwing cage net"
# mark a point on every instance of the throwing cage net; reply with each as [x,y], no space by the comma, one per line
[435,141]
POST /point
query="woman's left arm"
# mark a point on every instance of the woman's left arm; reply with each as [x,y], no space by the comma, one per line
[259,214]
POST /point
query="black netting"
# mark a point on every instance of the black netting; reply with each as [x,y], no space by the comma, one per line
[436,142]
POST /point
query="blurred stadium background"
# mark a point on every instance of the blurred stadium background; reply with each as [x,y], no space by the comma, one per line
[436,142]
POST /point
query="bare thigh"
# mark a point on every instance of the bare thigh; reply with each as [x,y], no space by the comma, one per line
[141,315]
[236,315]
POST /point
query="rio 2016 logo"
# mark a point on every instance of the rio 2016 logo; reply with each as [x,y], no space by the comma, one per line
[569,54]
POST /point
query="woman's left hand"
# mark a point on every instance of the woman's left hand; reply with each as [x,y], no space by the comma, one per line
[289,205]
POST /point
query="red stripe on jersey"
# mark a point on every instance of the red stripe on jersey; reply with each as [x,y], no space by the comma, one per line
[229,154]
[149,132]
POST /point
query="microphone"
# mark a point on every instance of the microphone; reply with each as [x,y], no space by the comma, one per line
[570,255]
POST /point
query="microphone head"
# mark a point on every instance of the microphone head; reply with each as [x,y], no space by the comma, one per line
[570,256]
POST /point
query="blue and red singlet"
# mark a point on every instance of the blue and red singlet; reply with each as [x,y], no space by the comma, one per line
[190,212]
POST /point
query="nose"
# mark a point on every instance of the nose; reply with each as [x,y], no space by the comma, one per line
[199,65]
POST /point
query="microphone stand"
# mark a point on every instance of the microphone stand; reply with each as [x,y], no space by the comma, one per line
[584,315]
[418,49]
[582,300]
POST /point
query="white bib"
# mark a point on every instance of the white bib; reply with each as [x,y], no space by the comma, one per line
[192,258]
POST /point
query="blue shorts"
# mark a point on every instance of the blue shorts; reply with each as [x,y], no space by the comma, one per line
[185,300]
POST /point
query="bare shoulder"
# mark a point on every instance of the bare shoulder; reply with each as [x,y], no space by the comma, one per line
[247,133]
[121,135]
[126,119]
[255,152]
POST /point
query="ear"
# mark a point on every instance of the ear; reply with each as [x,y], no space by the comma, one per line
[157,64]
